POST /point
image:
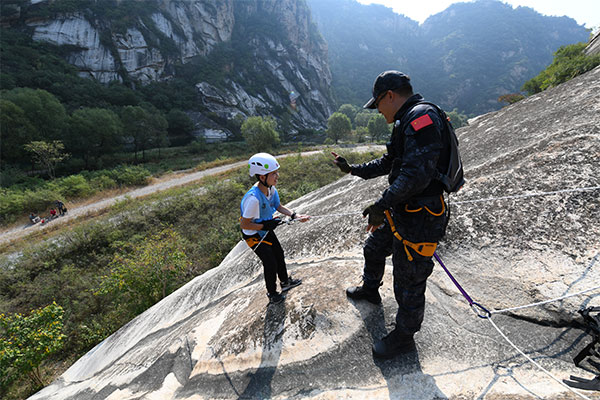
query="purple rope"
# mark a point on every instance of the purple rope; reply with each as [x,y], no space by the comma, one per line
[477,308]
[464,293]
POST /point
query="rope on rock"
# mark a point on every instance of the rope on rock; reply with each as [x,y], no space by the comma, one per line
[544,302]
[488,199]
[521,196]
[535,363]
[482,312]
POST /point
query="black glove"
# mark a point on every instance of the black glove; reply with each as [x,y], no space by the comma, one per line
[342,164]
[271,224]
[376,215]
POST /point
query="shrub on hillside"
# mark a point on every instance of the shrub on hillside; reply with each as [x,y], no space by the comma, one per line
[130,175]
[143,274]
[75,186]
[569,61]
[103,182]
[25,341]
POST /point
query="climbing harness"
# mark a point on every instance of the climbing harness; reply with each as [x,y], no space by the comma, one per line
[426,249]
[251,241]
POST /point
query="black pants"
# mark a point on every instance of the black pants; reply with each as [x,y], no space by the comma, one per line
[410,277]
[270,253]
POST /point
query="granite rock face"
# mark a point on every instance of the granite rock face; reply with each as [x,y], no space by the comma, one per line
[593,46]
[217,338]
[284,68]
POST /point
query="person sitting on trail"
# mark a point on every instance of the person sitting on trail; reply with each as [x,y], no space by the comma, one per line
[52,213]
[34,218]
[258,225]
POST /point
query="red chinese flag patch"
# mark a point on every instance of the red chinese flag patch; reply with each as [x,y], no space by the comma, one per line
[421,122]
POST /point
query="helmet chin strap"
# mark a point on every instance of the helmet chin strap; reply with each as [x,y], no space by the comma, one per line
[265,183]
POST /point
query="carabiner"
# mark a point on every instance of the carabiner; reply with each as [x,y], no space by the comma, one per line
[480,310]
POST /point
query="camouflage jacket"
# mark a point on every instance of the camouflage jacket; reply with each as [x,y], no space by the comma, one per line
[413,153]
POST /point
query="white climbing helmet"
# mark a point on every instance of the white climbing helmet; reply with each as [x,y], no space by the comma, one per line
[262,164]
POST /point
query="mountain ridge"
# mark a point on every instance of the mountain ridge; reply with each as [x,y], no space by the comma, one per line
[464,57]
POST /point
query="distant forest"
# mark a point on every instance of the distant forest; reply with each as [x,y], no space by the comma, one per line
[465,57]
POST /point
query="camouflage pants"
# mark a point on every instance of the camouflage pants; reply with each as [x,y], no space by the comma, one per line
[410,277]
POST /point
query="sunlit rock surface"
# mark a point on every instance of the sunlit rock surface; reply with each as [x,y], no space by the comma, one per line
[216,338]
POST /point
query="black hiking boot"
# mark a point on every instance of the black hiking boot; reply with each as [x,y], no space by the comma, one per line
[290,283]
[393,344]
[275,298]
[364,293]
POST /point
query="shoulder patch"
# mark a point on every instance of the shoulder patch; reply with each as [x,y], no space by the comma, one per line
[421,122]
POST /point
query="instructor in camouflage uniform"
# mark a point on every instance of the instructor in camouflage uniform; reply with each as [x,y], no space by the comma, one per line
[410,217]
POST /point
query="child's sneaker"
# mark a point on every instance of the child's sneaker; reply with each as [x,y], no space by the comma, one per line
[290,283]
[275,298]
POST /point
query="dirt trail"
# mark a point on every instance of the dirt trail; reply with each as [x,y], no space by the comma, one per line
[9,235]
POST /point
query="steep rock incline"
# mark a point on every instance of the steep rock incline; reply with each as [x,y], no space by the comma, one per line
[217,338]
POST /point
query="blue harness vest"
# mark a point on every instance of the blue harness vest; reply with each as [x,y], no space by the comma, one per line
[267,207]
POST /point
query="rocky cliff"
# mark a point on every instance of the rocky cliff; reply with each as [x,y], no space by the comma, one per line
[254,57]
[217,338]
[593,46]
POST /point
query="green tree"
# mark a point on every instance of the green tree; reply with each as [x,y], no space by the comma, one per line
[338,126]
[119,95]
[26,341]
[457,119]
[15,131]
[569,61]
[378,127]
[349,111]
[43,110]
[49,154]
[510,98]
[285,126]
[136,126]
[180,127]
[158,130]
[260,133]
[144,274]
[362,118]
[361,134]
[94,132]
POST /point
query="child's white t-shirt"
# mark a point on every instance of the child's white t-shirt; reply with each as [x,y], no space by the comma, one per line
[251,208]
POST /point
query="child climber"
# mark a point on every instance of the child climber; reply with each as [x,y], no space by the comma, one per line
[258,224]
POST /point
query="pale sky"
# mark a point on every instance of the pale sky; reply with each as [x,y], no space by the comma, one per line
[585,12]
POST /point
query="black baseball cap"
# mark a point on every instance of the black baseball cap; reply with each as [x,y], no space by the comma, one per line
[387,80]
